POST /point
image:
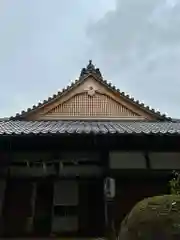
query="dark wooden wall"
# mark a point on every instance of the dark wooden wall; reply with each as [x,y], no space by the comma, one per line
[20,222]
[129,188]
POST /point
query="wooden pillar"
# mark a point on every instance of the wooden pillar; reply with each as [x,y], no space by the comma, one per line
[2,197]
[108,206]
[148,164]
[4,166]
[30,220]
[105,162]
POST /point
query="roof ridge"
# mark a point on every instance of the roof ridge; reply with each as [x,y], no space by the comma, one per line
[91,70]
[93,120]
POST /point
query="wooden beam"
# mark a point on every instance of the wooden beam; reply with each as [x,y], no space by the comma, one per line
[148,164]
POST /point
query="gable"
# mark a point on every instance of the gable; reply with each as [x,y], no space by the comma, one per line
[89,100]
[90,97]
[85,106]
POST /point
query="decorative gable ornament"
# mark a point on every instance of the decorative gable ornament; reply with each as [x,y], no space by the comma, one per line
[91,90]
[90,69]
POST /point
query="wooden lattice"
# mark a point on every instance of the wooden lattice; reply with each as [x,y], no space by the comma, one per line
[98,105]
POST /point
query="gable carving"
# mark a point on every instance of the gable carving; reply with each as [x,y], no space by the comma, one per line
[85,105]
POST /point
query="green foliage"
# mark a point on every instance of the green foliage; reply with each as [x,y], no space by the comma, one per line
[153,218]
[175,183]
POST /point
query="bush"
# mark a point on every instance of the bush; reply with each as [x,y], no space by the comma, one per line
[153,218]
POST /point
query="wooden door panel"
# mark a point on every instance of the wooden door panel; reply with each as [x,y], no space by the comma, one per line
[17,207]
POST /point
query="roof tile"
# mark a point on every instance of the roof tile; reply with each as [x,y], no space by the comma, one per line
[16,127]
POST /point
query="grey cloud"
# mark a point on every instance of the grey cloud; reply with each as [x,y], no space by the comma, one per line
[43,47]
[44,44]
[138,46]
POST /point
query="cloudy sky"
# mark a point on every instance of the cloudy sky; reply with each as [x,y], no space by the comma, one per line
[45,43]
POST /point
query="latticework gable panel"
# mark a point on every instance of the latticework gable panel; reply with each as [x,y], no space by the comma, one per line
[83,105]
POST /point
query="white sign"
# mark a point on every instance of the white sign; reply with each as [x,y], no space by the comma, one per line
[109,187]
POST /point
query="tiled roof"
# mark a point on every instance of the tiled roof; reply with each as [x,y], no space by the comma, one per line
[88,127]
[90,70]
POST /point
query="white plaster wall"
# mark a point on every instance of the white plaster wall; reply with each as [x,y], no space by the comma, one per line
[164,160]
[126,160]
